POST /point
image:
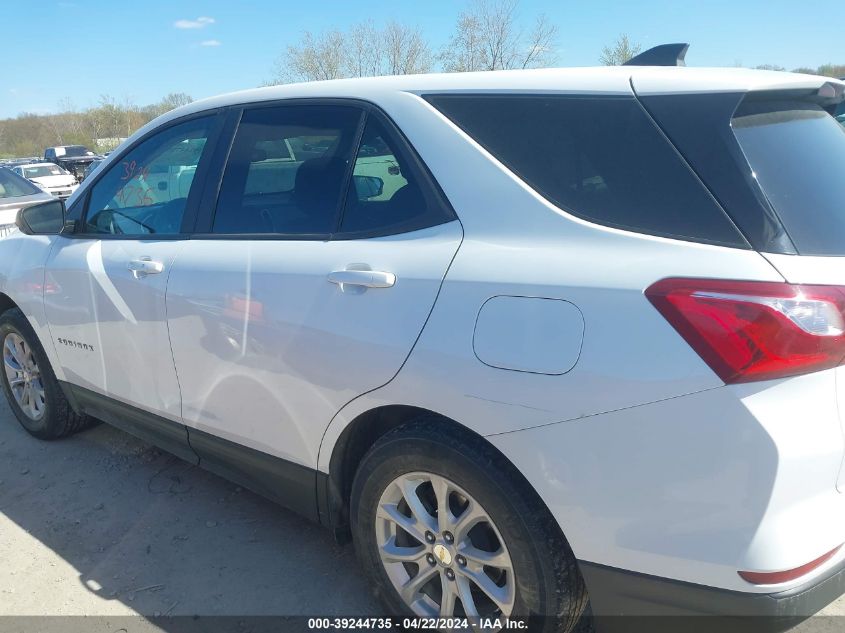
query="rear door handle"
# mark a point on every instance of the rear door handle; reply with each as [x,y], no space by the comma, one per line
[362,278]
[144,266]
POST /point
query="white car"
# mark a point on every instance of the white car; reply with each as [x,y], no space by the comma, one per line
[589,351]
[50,177]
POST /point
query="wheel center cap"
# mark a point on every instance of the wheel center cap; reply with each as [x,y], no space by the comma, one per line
[442,554]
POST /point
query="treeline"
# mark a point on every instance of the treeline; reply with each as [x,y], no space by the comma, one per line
[99,128]
[827,70]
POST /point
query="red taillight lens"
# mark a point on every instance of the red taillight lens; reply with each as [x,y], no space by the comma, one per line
[748,330]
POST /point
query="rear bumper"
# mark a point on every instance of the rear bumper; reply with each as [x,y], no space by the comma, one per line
[645,600]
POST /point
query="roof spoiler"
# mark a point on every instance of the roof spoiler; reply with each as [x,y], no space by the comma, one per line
[662,55]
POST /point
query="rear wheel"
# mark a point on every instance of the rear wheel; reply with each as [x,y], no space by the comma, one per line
[447,528]
[30,385]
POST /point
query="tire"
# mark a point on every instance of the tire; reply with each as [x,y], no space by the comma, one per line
[534,571]
[54,417]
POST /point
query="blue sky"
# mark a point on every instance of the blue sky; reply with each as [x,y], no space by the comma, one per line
[144,49]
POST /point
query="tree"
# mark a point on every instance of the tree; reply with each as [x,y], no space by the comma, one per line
[364,54]
[365,50]
[621,51]
[174,100]
[314,58]
[406,50]
[832,70]
[487,36]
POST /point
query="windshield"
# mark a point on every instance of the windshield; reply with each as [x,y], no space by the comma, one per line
[13,186]
[40,171]
[797,154]
[74,151]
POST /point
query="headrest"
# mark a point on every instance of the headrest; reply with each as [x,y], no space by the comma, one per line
[318,183]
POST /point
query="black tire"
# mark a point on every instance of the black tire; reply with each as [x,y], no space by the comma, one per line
[550,592]
[59,419]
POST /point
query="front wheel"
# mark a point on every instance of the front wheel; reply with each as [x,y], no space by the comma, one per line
[447,528]
[30,385]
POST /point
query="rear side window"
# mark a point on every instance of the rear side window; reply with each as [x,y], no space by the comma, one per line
[797,153]
[287,170]
[386,194]
[600,158]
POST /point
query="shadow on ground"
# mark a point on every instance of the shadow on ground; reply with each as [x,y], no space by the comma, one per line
[103,524]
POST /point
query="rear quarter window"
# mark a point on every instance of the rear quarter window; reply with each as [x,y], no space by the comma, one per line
[599,158]
[796,152]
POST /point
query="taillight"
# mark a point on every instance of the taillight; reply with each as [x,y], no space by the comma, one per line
[748,330]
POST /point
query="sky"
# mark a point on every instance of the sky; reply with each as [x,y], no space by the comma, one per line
[66,51]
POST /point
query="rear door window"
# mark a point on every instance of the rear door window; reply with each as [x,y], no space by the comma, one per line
[388,193]
[797,154]
[600,158]
[287,170]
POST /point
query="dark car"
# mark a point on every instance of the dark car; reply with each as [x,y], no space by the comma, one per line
[92,166]
[74,158]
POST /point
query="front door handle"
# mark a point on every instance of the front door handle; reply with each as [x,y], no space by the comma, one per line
[144,266]
[362,278]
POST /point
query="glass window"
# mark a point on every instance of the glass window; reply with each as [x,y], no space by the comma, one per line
[797,153]
[42,171]
[287,170]
[147,191]
[385,195]
[13,186]
[600,158]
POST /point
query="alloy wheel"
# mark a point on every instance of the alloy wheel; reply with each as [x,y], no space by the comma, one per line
[24,376]
[442,551]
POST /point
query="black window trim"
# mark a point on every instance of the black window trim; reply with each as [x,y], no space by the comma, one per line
[427,183]
[194,197]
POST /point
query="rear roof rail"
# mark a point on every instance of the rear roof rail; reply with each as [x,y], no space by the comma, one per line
[662,55]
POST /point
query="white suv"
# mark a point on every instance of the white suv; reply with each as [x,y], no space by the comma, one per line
[579,336]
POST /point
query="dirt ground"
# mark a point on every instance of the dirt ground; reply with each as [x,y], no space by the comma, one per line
[102,524]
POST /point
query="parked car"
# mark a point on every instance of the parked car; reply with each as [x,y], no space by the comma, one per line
[590,348]
[50,177]
[16,193]
[73,158]
[91,167]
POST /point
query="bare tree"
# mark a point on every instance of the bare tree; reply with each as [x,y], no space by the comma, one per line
[488,36]
[313,58]
[621,51]
[540,51]
[364,52]
[465,50]
[406,50]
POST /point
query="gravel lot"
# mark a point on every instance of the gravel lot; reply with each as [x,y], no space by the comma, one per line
[102,524]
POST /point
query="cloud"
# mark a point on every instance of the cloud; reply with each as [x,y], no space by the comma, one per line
[211,43]
[200,23]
